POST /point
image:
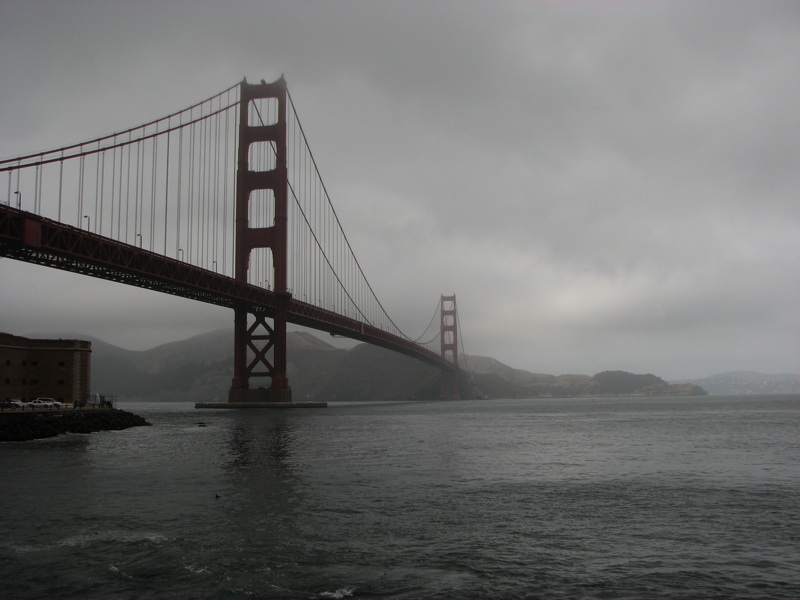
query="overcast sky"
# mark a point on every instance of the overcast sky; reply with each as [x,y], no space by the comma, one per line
[603,185]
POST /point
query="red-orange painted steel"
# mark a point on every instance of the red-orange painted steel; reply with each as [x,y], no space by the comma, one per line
[257,340]
[448,331]
[76,250]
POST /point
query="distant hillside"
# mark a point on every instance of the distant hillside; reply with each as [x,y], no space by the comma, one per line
[497,380]
[749,382]
[201,368]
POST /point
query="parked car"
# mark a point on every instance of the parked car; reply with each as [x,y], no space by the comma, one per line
[17,402]
[41,403]
[58,404]
[7,404]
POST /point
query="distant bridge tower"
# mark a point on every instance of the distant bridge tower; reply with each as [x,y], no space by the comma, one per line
[448,328]
[258,337]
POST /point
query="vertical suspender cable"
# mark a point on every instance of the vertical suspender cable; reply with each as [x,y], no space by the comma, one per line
[98,227]
[128,190]
[37,194]
[215,223]
[209,243]
[180,189]
[113,187]
[153,189]
[210,193]
[96,187]
[60,183]
[119,193]
[225,191]
[203,248]
[136,224]
[190,196]
[237,115]
[166,190]
[80,187]
[36,190]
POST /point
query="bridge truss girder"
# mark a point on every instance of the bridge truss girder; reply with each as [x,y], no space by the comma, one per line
[53,244]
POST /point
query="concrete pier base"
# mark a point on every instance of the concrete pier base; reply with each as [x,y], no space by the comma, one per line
[261,398]
[260,395]
[261,405]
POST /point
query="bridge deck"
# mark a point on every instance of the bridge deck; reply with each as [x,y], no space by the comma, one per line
[31,238]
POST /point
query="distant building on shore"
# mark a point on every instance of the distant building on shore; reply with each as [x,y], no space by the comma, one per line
[58,369]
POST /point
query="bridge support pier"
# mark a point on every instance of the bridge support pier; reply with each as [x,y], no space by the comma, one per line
[260,351]
[448,331]
[260,348]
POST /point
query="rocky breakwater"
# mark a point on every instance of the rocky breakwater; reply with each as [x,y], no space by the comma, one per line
[20,426]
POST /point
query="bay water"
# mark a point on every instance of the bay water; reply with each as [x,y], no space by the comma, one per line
[546,498]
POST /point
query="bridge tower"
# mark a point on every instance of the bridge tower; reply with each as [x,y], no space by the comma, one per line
[258,336]
[448,329]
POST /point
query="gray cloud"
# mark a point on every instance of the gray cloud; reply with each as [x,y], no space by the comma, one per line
[603,186]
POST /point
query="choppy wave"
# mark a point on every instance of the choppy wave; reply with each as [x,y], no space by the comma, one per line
[465,500]
[338,594]
[84,540]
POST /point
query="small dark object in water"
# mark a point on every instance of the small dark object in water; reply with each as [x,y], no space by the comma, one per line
[218,496]
[201,424]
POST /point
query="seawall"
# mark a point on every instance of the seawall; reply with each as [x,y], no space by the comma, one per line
[20,426]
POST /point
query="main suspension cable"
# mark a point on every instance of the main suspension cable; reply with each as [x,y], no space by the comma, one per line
[338,222]
[113,136]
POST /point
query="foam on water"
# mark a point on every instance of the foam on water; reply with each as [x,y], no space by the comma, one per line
[86,539]
[338,594]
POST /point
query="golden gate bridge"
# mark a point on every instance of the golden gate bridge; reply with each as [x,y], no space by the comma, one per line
[221,202]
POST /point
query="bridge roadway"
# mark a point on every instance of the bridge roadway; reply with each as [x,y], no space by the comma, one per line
[31,238]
